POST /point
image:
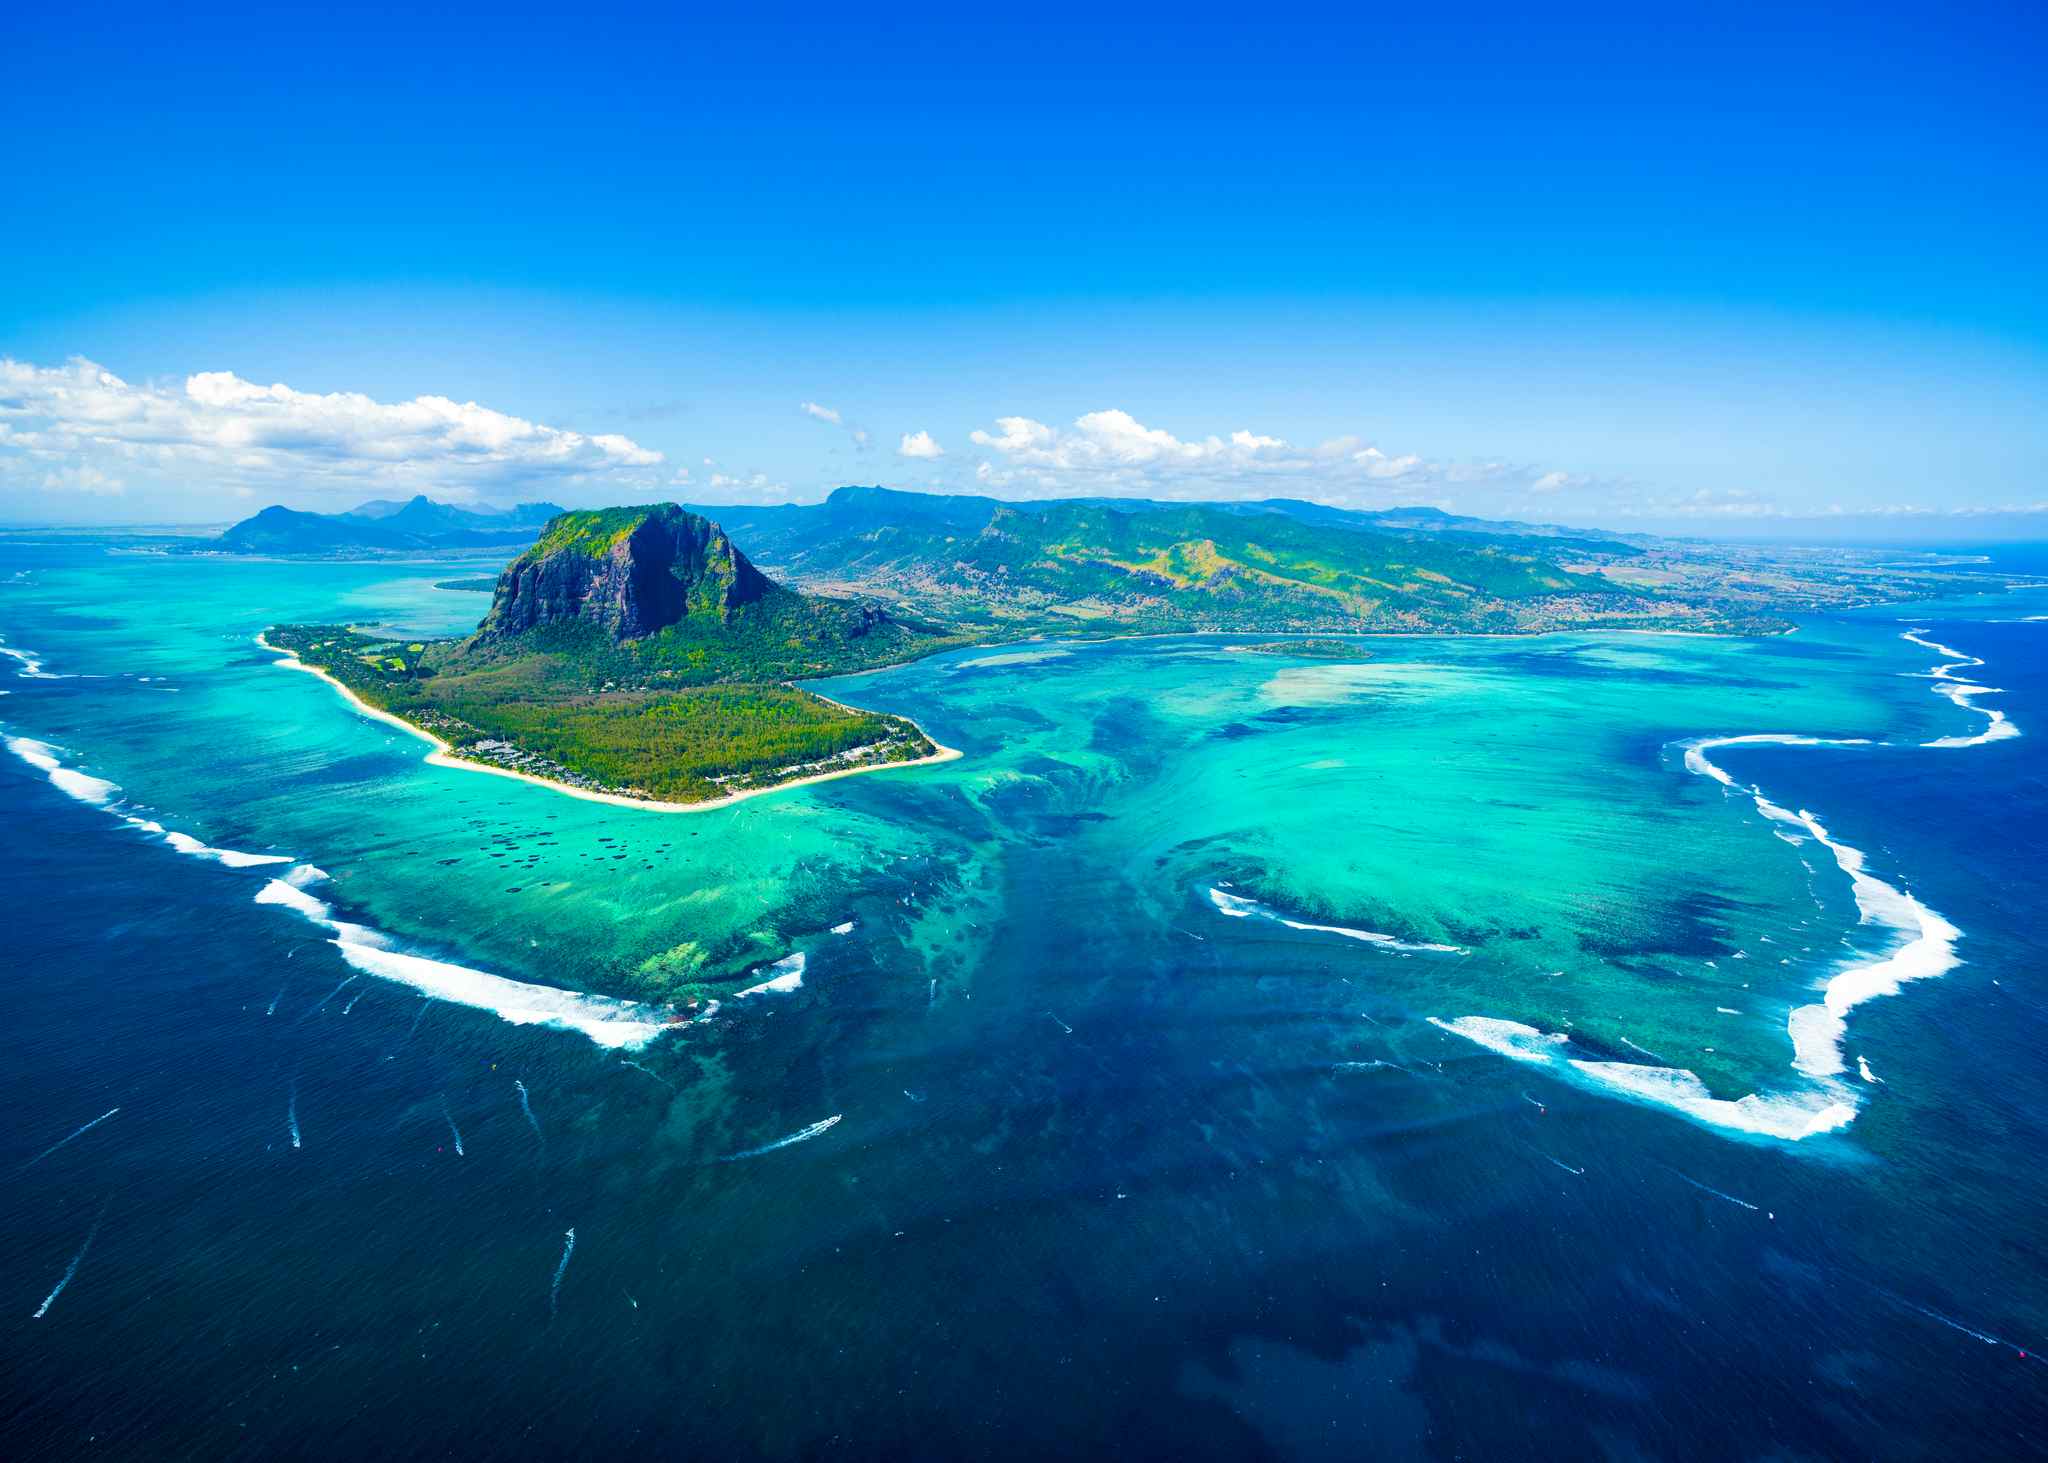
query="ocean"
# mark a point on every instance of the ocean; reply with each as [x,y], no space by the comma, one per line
[1490,1048]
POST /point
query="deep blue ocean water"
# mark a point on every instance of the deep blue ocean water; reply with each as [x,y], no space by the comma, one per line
[1170,1236]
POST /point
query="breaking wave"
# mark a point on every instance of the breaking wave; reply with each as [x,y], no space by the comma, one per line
[1923,947]
[609,1022]
[1238,907]
[786,974]
[606,1021]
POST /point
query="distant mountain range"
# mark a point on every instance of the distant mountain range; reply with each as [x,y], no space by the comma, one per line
[1276,564]
[380,526]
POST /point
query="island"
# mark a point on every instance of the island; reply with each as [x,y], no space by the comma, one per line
[636,655]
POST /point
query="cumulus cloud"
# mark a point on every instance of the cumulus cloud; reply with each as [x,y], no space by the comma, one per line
[920,444]
[1113,453]
[83,425]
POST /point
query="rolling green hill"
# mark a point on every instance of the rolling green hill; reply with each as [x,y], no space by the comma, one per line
[1276,565]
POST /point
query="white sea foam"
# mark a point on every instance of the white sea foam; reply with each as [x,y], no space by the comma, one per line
[1998,726]
[1924,948]
[43,757]
[280,891]
[31,665]
[609,1022]
[1510,1038]
[1238,907]
[786,974]
[1794,1117]
[232,857]
[1863,1071]
[843,929]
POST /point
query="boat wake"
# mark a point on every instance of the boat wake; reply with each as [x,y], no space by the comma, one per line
[797,1137]
[1923,947]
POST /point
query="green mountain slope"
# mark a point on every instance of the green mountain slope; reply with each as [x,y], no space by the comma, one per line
[1276,565]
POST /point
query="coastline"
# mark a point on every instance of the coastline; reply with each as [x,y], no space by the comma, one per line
[444,755]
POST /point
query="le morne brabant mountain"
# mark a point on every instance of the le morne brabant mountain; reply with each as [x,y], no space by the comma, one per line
[639,652]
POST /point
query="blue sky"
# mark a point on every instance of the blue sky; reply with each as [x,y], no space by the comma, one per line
[1706,269]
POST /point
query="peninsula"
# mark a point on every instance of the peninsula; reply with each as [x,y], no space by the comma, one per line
[636,655]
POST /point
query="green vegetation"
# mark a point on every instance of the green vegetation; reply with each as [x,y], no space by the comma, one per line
[592,532]
[637,652]
[1311,649]
[530,714]
[474,586]
[1097,568]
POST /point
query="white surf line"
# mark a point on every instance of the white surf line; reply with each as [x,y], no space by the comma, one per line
[609,1022]
[797,1137]
[43,757]
[454,1131]
[1826,1102]
[1236,906]
[527,1108]
[555,1290]
[31,665]
[78,1132]
[618,1024]
[785,975]
[1959,691]
[76,1260]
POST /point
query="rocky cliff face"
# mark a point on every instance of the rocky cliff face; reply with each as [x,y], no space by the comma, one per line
[629,571]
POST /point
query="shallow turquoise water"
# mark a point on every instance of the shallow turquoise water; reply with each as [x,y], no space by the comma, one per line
[1238,1190]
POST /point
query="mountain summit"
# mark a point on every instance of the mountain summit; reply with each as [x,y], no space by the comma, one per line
[630,571]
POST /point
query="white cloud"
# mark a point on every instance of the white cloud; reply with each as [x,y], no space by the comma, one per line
[1113,453]
[838,419]
[90,429]
[920,444]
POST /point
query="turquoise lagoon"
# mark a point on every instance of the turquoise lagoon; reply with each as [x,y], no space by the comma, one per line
[1452,1050]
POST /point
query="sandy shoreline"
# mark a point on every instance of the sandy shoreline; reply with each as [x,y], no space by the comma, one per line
[443,754]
